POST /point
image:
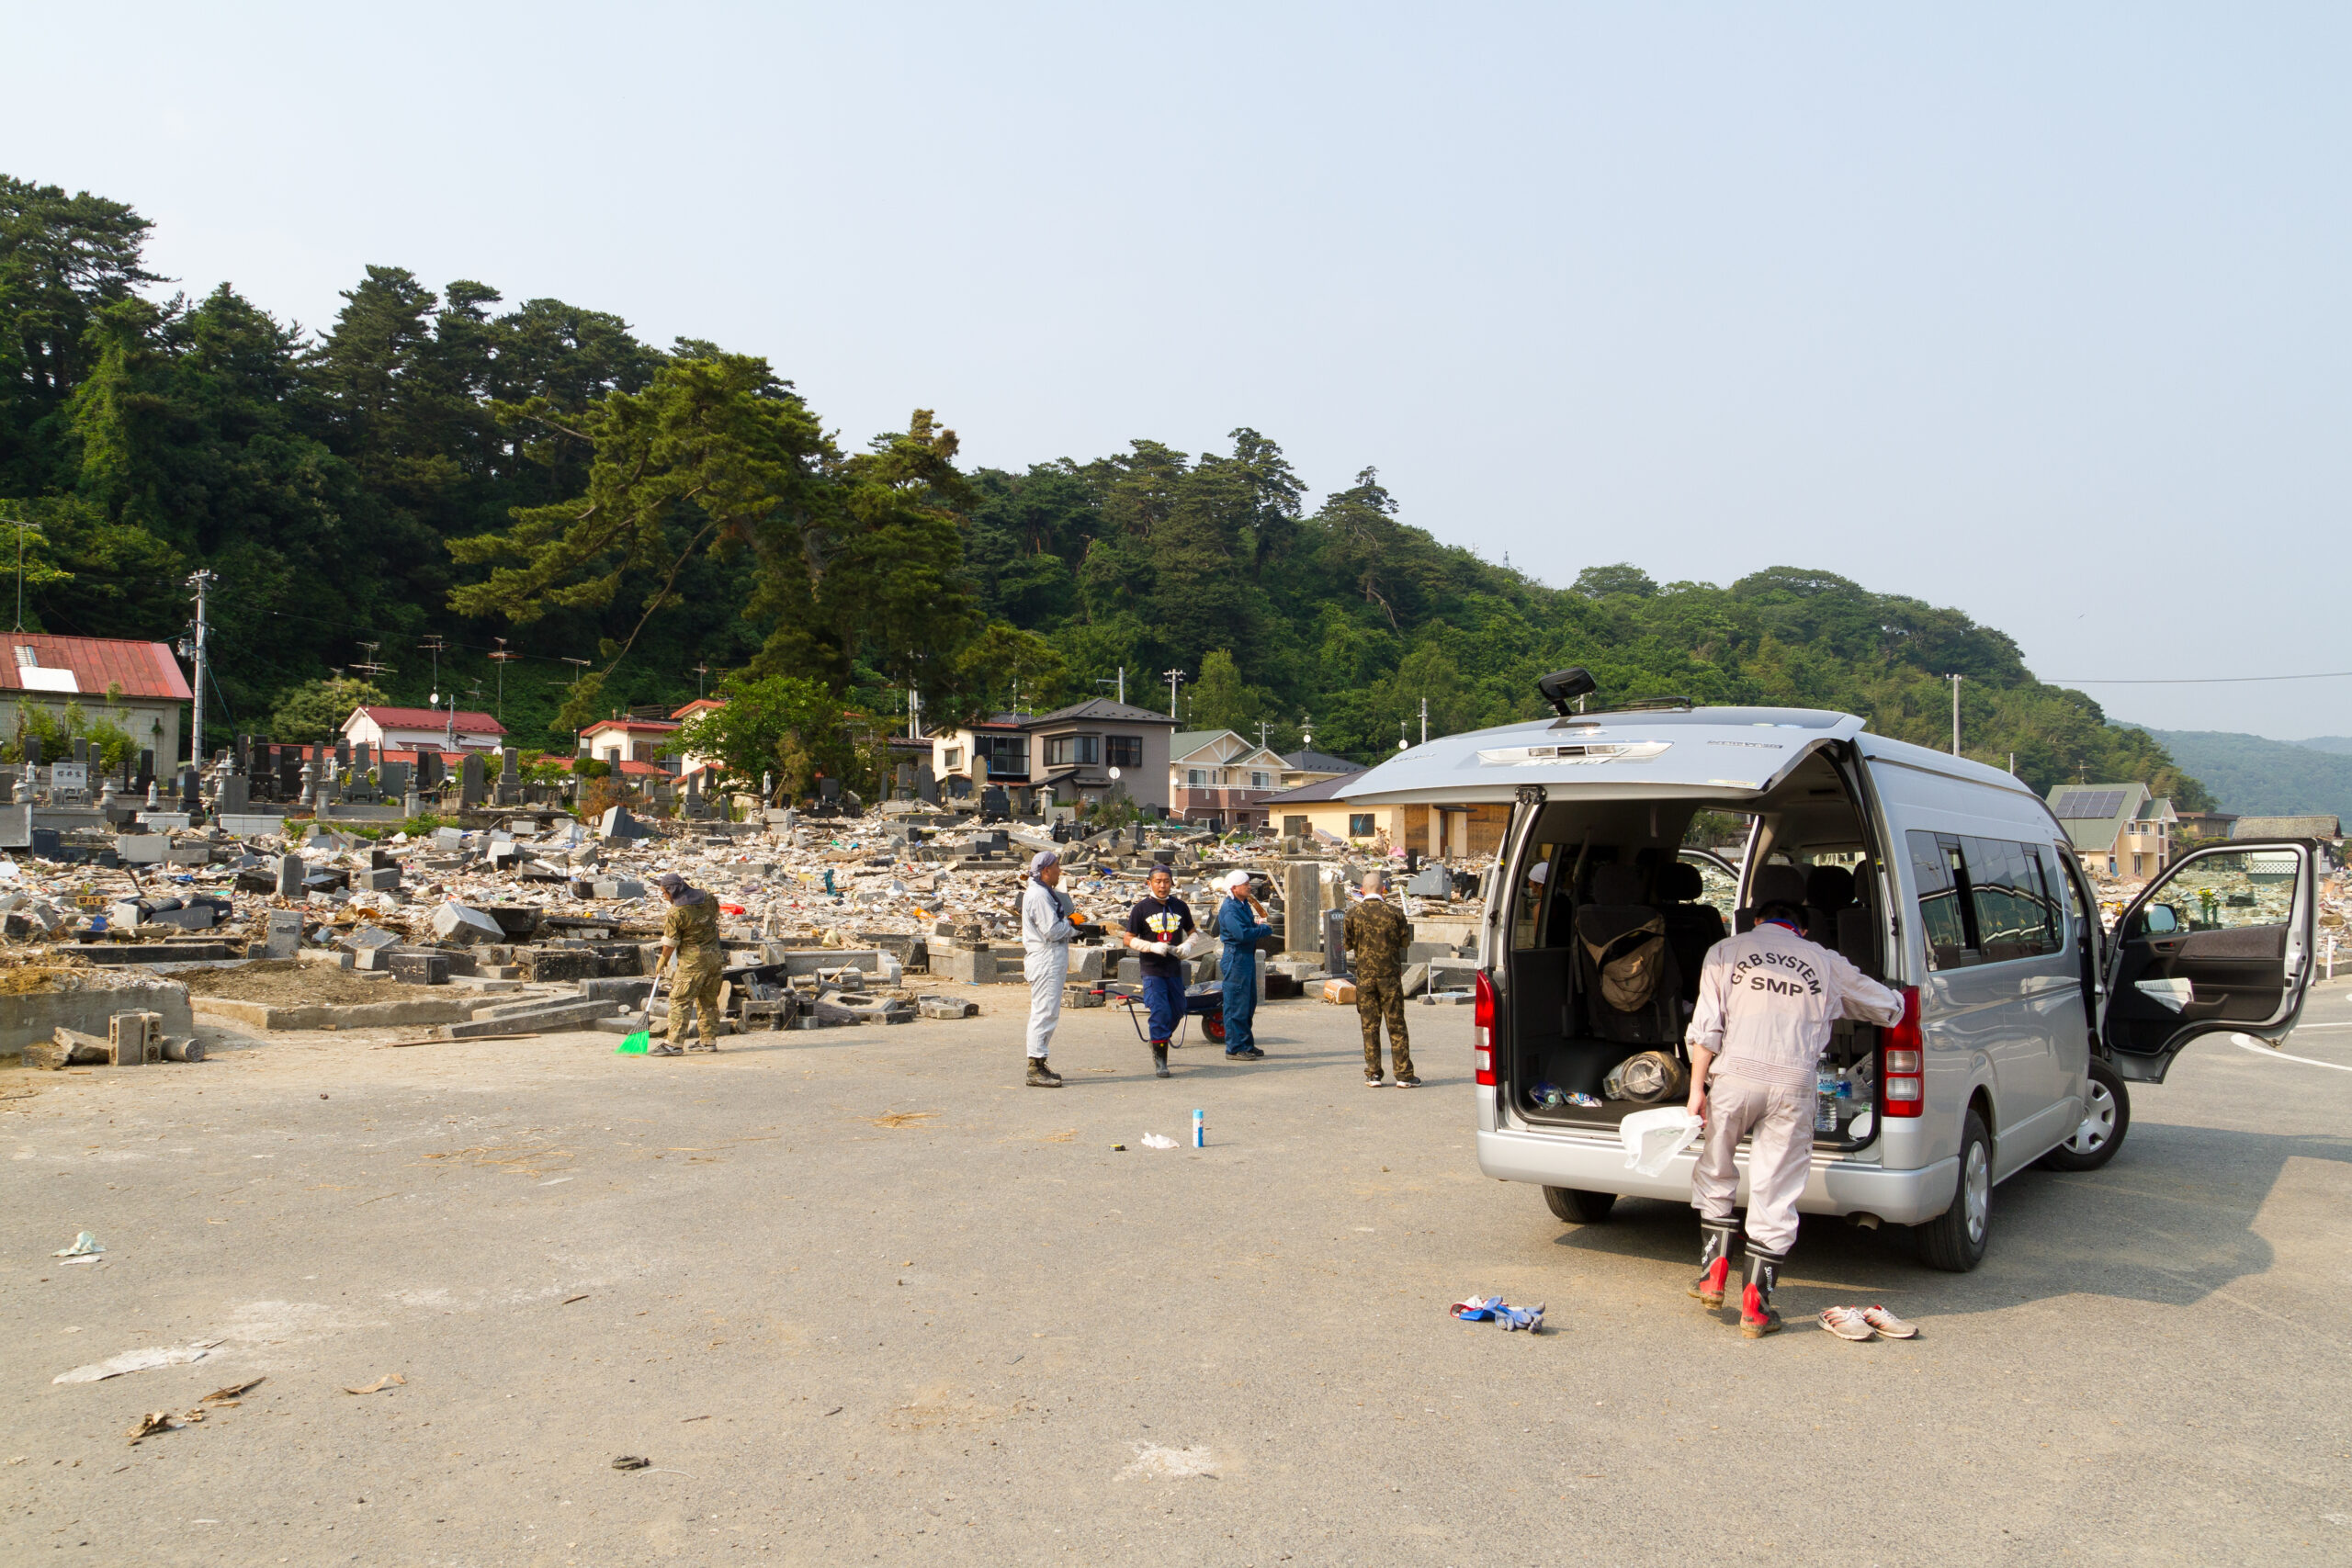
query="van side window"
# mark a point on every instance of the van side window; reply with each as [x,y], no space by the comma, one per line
[2016,917]
[1944,915]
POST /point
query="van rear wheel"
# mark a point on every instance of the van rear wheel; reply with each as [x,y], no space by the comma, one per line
[1580,1207]
[2106,1119]
[1954,1240]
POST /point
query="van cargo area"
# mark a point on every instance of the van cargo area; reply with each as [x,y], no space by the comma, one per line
[1612,913]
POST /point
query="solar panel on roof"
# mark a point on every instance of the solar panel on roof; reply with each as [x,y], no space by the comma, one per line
[2079,805]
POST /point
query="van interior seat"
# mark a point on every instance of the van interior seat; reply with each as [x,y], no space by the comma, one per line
[1615,932]
[1692,927]
[1828,891]
[1858,939]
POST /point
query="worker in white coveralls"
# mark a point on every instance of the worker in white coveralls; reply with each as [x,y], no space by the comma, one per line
[1766,1001]
[1048,922]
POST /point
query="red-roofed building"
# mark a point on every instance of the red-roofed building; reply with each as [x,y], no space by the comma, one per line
[137,686]
[395,728]
[692,763]
[625,740]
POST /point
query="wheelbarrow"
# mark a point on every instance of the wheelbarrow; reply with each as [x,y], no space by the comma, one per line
[1204,1001]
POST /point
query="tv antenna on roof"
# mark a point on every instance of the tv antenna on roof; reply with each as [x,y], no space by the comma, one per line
[433,645]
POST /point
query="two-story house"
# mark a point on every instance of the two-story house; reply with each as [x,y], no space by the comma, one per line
[2118,830]
[1219,779]
[1075,755]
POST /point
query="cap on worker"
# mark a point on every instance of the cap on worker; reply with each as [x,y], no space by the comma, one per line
[1041,860]
[1237,878]
[671,883]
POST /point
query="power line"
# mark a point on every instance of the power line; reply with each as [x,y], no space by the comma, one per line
[2195,680]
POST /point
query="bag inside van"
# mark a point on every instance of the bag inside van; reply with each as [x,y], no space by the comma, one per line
[1616,903]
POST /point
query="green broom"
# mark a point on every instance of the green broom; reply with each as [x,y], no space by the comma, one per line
[635,1044]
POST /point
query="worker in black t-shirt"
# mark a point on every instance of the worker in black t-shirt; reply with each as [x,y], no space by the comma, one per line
[1158,921]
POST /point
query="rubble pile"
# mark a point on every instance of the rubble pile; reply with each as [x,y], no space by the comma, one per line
[543,920]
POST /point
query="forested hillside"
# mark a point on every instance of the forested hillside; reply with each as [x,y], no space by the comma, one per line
[2256,776]
[443,464]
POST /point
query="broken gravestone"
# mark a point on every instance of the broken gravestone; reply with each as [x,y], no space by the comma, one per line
[456,922]
[617,825]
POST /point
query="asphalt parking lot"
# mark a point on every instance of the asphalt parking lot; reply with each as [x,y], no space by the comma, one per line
[859,1294]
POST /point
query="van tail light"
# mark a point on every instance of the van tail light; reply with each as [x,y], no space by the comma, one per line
[1482,1029]
[1903,1061]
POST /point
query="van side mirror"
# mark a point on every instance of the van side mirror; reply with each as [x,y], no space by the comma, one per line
[2159,920]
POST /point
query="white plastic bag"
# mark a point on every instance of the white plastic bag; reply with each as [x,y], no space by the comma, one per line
[1652,1138]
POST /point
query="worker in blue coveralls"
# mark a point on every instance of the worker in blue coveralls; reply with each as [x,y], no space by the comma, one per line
[1241,924]
[1156,926]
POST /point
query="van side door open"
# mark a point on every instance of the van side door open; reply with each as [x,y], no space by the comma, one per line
[2219,943]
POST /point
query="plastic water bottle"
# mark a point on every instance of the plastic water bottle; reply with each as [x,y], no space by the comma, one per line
[1200,1131]
[1825,1101]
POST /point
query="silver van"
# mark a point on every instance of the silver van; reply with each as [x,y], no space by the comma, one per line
[1949,880]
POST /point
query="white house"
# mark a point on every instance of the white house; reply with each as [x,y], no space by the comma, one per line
[403,730]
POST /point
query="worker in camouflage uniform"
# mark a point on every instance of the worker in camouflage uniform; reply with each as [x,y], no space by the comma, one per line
[1377,934]
[690,948]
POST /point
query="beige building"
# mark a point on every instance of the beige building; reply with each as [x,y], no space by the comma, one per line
[1441,832]
[137,686]
[2118,830]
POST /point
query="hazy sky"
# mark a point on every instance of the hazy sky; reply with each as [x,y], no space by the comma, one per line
[2036,311]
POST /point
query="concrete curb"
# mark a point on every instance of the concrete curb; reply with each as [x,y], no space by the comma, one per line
[347,1015]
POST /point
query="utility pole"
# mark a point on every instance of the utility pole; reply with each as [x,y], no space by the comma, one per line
[1955,680]
[502,656]
[200,581]
[1174,677]
[700,670]
[1402,744]
[432,644]
[21,574]
[1425,721]
[1263,727]
[1122,686]
[577,666]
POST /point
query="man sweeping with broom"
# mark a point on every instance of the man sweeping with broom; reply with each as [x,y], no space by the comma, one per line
[690,931]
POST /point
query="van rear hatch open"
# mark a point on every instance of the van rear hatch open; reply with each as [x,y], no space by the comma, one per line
[1712,751]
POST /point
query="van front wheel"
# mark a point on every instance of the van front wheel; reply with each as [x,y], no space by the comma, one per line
[1954,1240]
[1579,1207]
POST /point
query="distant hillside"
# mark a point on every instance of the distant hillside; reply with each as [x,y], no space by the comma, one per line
[2254,776]
[2339,744]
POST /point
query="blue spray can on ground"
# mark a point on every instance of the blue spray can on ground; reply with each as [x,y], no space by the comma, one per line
[1200,1130]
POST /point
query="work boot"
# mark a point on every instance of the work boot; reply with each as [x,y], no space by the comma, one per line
[1715,1263]
[1042,1076]
[1159,1060]
[1757,1317]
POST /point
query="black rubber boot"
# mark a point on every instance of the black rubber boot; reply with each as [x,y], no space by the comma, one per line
[1159,1060]
[1042,1076]
[1714,1262]
[1757,1317]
